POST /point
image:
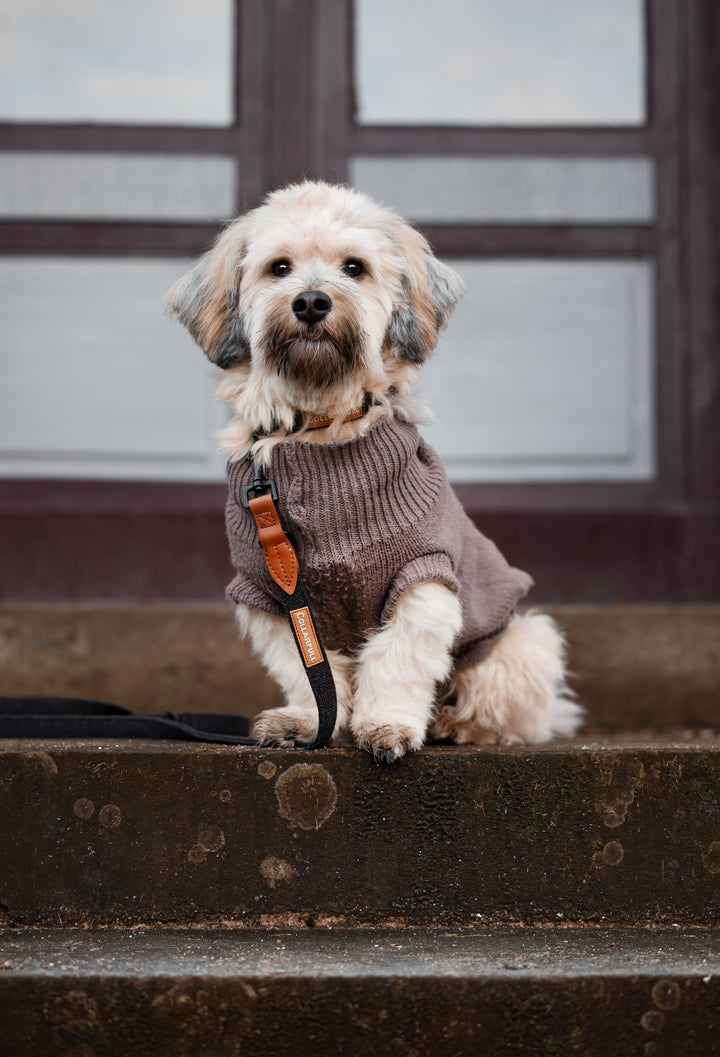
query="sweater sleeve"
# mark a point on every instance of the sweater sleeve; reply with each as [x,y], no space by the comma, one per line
[244,590]
[428,567]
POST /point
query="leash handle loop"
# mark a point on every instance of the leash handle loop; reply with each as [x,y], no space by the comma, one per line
[279,552]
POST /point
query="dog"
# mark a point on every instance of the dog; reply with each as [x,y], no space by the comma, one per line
[320,307]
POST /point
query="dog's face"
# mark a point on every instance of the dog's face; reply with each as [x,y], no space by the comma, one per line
[319,289]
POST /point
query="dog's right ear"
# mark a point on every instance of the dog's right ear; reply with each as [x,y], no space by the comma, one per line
[430,289]
[207,301]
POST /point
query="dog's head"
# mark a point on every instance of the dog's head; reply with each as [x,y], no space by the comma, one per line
[318,287]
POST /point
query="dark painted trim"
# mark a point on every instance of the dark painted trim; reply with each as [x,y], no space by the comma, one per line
[54,496]
[666,106]
[107,238]
[620,496]
[291,98]
[535,140]
[105,540]
[252,78]
[700,205]
[100,540]
[472,240]
[150,139]
[90,496]
[333,88]
[549,240]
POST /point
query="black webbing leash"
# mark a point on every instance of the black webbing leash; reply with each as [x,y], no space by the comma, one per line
[70,717]
[259,499]
[74,717]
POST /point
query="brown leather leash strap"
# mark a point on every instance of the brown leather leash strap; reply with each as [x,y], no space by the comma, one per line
[282,563]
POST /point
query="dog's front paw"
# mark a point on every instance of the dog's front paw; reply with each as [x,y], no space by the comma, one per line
[388,744]
[285,726]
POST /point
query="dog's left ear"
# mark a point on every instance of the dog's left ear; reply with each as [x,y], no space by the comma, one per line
[206,301]
[431,290]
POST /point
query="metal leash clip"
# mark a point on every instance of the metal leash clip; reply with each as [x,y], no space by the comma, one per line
[259,486]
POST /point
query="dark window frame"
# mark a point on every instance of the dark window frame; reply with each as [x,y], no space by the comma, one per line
[339,137]
[243,141]
[294,96]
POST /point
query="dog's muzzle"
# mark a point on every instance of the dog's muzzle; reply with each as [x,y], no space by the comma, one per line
[315,347]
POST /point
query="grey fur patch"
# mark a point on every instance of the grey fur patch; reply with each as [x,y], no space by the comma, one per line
[234,346]
[405,334]
[446,288]
[190,299]
[189,296]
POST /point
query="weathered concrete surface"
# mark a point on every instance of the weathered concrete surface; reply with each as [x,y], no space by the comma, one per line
[167,832]
[645,666]
[635,666]
[150,658]
[570,991]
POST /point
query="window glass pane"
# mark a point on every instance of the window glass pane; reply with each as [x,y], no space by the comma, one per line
[76,185]
[545,373]
[101,383]
[500,62]
[527,190]
[164,62]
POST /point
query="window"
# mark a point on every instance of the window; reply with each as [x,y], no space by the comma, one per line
[563,156]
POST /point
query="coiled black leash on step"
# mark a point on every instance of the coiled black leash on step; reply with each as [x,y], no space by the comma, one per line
[259,499]
[74,717]
[69,717]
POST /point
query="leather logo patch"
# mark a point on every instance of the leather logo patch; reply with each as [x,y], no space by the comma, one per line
[306,636]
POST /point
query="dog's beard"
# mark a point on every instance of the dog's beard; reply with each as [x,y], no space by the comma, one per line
[315,356]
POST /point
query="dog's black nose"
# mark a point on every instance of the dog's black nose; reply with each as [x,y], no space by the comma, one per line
[311,306]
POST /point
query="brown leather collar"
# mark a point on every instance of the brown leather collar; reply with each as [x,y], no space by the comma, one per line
[320,421]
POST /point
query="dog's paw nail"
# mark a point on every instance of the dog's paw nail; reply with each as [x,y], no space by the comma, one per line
[290,734]
[266,743]
[408,746]
[384,756]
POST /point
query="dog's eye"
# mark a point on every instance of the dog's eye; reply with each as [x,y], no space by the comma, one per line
[353,268]
[281,268]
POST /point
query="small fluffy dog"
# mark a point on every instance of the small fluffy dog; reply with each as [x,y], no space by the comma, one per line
[320,307]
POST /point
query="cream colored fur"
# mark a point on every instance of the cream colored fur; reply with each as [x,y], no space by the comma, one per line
[517,695]
[399,668]
[272,641]
[237,303]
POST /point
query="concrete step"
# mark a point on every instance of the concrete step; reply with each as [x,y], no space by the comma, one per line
[620,830]
[589,991]
[634,666]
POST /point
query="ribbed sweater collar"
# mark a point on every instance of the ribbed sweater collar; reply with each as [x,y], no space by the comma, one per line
[352,492]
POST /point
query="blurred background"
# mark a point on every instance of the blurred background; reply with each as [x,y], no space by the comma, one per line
[562,154]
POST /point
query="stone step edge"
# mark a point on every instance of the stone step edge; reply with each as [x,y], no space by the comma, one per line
[177,835]
[569,950]
[499,991]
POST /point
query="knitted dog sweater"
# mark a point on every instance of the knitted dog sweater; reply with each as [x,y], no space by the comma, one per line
[368,518]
